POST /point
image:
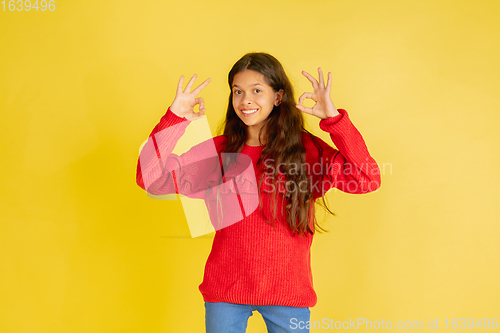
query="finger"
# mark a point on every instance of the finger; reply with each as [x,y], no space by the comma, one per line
[321,79]
[329,83]
[304,96]
[201,87]
[179,85]
[190,84]
[201,103]
[198,115]
[313,80]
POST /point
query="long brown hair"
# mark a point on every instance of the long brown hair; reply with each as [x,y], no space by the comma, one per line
[284,127]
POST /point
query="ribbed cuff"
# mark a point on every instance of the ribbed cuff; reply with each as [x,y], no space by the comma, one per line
[172,118]
[332,120]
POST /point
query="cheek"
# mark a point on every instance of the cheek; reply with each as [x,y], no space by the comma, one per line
[236,99]
[268,101]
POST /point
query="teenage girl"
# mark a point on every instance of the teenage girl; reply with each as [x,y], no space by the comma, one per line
[262,262]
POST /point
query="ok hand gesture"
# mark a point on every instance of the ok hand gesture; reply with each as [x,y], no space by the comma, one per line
[185,101]
[324,107]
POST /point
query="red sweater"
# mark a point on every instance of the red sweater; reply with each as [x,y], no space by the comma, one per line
[252,262]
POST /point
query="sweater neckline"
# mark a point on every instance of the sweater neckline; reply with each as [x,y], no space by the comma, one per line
[254,147]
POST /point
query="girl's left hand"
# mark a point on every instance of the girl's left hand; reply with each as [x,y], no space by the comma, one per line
[324,107]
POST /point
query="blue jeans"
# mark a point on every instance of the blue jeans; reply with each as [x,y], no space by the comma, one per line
[233,318]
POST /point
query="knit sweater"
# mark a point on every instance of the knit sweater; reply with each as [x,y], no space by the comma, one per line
[252,261]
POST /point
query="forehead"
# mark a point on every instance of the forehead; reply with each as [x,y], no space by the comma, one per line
[249,78]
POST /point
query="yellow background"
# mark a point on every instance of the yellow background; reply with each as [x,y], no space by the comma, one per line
[83,249]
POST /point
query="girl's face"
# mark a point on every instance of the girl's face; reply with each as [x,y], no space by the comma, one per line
[253,98]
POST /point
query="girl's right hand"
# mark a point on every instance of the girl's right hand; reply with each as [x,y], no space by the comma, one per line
[185,101]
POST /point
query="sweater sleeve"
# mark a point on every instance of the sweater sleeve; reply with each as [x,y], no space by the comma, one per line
[162,173]
[349,168]
[152,173]
[196,173]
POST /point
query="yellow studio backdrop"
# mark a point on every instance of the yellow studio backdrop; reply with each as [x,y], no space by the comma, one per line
[84,249]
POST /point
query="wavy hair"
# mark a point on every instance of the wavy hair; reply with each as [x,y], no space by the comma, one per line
[284,127]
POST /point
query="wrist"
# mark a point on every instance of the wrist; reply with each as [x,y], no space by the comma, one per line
[332,113]
[175,113]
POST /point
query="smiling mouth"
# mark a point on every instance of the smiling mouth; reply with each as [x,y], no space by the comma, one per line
[249,111]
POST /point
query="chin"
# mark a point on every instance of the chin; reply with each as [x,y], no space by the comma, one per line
[249,122]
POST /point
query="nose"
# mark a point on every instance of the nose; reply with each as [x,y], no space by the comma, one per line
[246,99]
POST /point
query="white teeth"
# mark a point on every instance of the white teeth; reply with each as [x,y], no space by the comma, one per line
[249,111]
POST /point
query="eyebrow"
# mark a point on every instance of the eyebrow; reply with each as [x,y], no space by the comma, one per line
[254,84]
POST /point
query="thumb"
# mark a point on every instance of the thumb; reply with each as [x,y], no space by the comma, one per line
[303,109]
